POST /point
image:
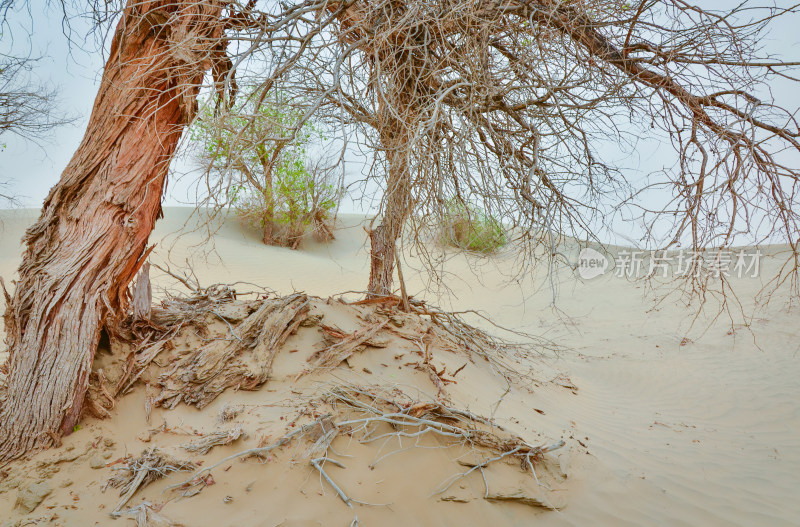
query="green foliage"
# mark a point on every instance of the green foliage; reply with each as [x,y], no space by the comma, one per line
[470,228]
[260,152]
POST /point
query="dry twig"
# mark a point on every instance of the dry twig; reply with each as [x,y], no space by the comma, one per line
[140,472]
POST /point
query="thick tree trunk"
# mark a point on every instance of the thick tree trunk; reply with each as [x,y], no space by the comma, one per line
[91,237]
[383,239]
[381,261]
[397,206]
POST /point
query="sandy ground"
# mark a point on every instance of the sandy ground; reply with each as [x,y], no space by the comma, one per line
[676,420]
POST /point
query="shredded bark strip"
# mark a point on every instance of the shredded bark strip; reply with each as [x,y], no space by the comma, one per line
[244,363]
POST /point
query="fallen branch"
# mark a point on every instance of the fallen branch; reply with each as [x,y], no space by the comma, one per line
[220,437]
[146,515]
[333,355]
[317,464]
[259,451]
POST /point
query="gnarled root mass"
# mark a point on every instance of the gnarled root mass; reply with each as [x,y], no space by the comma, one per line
[376,415]
[190,350]
[245,363]
[255,330]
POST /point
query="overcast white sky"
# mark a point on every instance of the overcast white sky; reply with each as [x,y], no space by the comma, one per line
[33,168]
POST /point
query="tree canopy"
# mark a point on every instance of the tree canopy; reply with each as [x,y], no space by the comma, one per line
[509,103]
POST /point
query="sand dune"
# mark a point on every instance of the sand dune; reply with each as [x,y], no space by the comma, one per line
[675,420]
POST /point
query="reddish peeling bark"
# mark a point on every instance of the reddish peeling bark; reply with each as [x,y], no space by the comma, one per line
[91,237]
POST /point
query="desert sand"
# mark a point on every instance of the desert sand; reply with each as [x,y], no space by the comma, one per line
[668,418]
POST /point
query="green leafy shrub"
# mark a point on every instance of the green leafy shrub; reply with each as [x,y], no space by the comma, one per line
[271,184]
[471,228]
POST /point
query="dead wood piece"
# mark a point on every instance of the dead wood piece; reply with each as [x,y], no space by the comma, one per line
[235,312]
[147,515]
[145,353]
[322,435]
[522,497]
[196,485]
[318,464]
[375,342]
[333,355]
[140,472]
[228,412]
[333,335]
[220,437]
[174,310]
[312,320]
[385,301]
[148,405]
[455,499]
[565,382]
[243,363]
[426,342]
[437,378]
[146,437]
[142,294]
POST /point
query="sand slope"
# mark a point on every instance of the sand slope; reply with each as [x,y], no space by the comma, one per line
[704,433]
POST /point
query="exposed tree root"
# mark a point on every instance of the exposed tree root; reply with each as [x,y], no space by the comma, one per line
[202,375]
[154,334]
[333,355]
[243,358]
[368,415]
[258,328]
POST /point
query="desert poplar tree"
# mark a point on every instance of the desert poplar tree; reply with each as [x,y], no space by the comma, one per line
[510,104]
[91,237]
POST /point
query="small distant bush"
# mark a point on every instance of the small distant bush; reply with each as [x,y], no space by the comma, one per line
[470,228]
[301,202]
[291,199]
